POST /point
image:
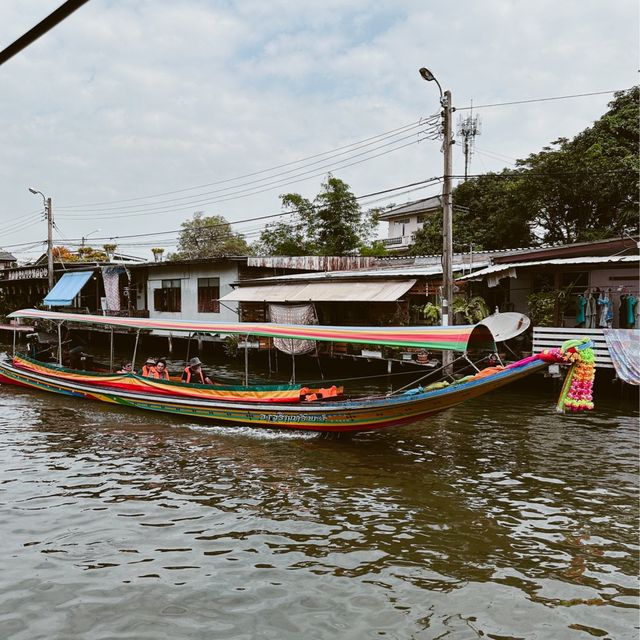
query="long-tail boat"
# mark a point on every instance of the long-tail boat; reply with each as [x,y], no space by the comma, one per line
[276,406]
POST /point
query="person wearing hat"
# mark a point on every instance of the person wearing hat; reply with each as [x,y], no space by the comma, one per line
[149,368]
[193,373]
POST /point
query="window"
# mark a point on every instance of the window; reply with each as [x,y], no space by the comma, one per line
[167,298]
[208,294]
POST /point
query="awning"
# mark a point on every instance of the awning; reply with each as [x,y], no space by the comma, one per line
[455,338]
[502,270]
[67,288]
[369,291]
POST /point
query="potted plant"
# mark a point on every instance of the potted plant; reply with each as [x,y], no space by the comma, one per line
[431,314]
[110,249]
[470,311]
[545,305]
[157,253]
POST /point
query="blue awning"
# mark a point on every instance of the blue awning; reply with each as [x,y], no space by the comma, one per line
[67,288]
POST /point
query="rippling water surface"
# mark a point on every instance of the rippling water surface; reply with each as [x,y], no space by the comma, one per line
[499,519]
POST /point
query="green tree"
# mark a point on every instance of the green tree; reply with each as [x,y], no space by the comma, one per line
[332,225]
[487,212]
[574,190]
[587,188]
[208,237]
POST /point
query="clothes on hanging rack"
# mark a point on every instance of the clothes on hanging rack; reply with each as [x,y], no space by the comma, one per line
[628,311]
[581,304]
[591,310]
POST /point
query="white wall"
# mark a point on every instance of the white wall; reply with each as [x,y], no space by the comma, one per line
[188,275]
[614,278]
[411,226]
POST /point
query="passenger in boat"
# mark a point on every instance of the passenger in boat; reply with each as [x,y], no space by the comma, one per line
[193,373]
[161,370]
[149,368]
[125,368]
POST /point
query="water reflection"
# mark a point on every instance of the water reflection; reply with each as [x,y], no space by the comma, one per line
[485,520]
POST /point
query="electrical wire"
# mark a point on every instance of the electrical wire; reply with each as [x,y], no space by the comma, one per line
[427,182]
[331,153]
[25,222]
[241,193]
[504,104]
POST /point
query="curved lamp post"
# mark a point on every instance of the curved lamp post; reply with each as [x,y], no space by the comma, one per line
[49,215]
[89,234]
[447,232]
[447,214]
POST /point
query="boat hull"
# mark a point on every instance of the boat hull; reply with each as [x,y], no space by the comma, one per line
[322,416]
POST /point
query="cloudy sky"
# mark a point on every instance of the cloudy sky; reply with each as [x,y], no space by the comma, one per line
[131,116]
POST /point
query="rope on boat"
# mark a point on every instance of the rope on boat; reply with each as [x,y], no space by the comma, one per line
[387,375]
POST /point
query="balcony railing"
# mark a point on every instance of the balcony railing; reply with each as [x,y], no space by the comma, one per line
[399,241]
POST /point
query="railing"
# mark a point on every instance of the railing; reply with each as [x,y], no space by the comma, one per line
[125,313]
[549,337]
[402,241]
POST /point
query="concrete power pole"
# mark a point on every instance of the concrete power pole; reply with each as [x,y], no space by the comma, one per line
[49,212]
[447,213]
[447,224]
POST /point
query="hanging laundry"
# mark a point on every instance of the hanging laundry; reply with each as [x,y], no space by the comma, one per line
[632,309]
[603,309]
[581,304]
[590,322]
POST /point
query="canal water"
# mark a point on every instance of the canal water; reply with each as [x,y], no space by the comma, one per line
[497,519]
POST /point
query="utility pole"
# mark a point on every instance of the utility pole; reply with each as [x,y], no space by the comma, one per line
[447,224]
[49,212]
[447,212]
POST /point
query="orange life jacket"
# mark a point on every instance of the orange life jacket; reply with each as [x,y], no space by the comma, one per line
[148,371]
[154,373]
[188,373]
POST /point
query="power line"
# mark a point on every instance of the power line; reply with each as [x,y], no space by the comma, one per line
[528,174]
[329,153]
[504,104]
[246,233]
[25,222]
[266,217]
[240,191]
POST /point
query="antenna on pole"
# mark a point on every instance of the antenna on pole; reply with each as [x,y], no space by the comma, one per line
[468,129]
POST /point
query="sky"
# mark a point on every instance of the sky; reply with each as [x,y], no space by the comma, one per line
[132,116]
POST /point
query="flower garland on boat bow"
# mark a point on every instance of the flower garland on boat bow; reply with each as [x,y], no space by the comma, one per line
[577,390]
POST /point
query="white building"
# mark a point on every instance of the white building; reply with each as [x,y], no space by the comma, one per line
[406,219]
[187,289]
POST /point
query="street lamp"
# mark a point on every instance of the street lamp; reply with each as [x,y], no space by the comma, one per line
[89,234]
[447,209]
[49,215]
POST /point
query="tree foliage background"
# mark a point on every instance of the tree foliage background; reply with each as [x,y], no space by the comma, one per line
[574,190]
[208,237]
[331,225]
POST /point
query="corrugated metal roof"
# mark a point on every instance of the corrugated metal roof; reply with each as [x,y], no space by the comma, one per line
[426,204]
[586,260]
[312,263]
[380,272]
[378,291]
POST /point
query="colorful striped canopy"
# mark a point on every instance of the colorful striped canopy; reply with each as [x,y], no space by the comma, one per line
[455,338]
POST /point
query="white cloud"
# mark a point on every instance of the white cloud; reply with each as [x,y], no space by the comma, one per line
[123,99]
